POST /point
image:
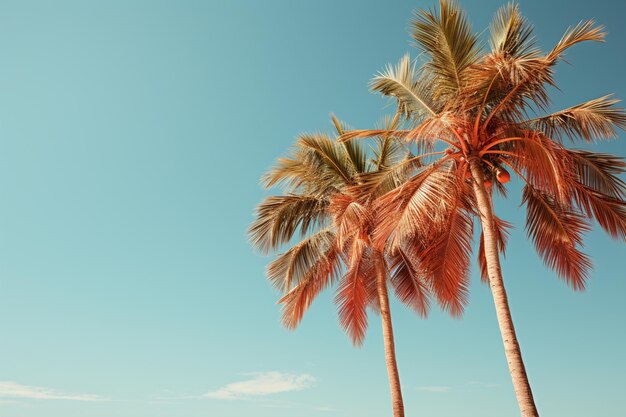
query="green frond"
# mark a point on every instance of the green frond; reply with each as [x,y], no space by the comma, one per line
[356,152]
[511,34]
[388,177]
[408,85]
[279,217]
[447,38]
[291,267]
[335,158]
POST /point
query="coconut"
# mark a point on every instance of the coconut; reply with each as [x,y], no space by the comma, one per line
[503,176]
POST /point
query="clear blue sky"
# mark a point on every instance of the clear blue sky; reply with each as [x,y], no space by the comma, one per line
[132,136]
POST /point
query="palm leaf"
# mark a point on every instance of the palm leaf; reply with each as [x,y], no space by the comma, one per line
[609,212]
[511,34]
[408,85]
[353,296]
[350,218]
[323,273]
[592,120]
[409,283]
[446,259]
[415,207]
[386,179]
[278,218]
[335,158]
[355,151]
[447,38]
[291,267]
[557,232]
[598,171]
[584,31]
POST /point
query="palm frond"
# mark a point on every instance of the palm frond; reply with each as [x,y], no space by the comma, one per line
[541,159]
[370,133]
[446,259]
[511,34]
[409,283]
[582,32]
[608,211]
[355,151]
[279,217]
[413,208]
[352,296]
[388,151]
[291,267]
[304,170]
[447,38]
[599,171]
[335,158]
[408,85]
[557,233]
[350,218]
[593,120]
[323,273]
[384,180]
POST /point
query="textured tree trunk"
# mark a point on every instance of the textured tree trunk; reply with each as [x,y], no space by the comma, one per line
[511,346]
[390,350]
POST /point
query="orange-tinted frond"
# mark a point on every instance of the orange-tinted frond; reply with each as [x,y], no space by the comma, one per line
[415,207]
[599,171]
[409,283]
[582,32]
[350,218]
[353,296]
[540,158]
[557,233]
[446,260]
[609,212]
[323,273]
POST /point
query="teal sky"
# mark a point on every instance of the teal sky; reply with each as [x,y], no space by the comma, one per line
[132,137]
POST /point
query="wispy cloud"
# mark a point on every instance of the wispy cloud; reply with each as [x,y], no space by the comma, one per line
[263,383]
[10,389]
[433,389]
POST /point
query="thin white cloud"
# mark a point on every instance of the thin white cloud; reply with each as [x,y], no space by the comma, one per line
[433,389]
[13,390]
[263,383]
[324,409]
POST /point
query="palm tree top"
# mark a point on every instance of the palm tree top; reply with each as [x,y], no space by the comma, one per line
[489,105]
[325,215]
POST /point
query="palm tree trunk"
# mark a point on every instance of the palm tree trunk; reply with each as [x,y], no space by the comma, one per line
[511,346]
[390,350]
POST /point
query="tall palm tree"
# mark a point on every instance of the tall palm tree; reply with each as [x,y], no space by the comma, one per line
[329,189]
[476,104]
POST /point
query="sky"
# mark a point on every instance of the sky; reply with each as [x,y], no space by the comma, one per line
[132,137]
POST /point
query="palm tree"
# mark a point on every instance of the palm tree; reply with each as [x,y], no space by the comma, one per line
[476,104]
[329,189]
